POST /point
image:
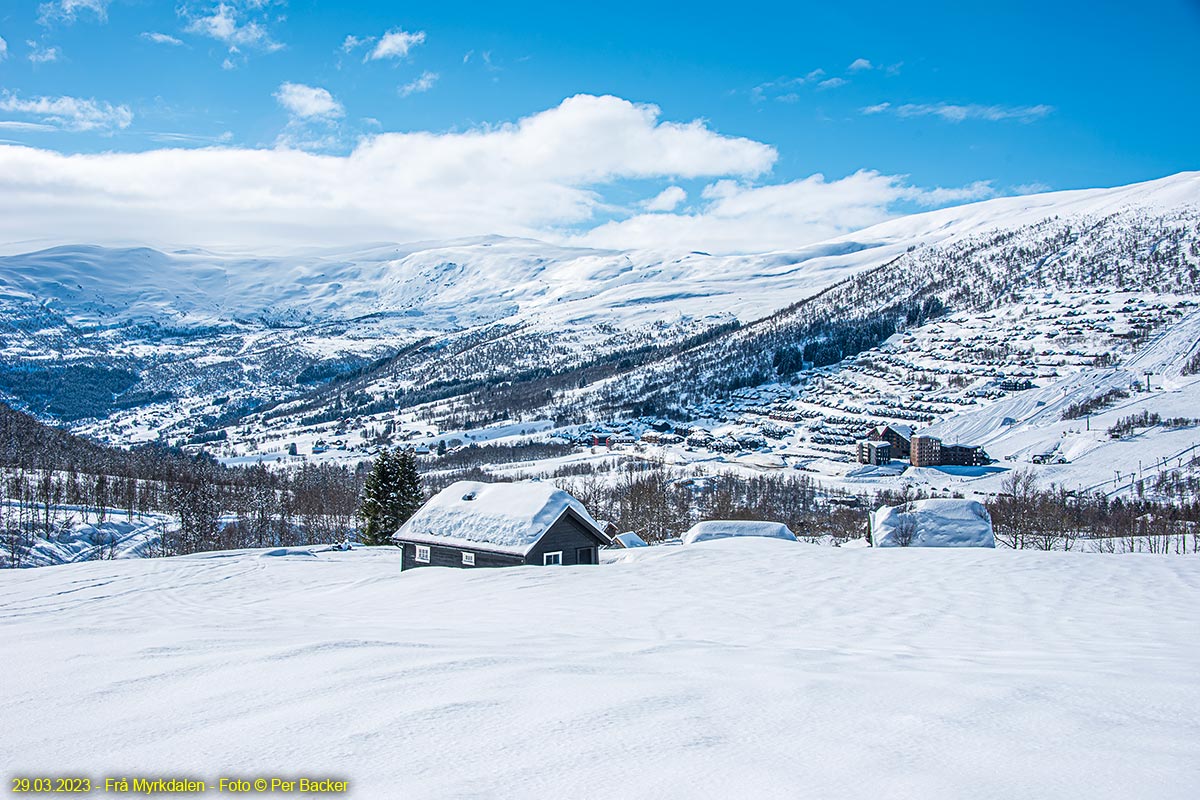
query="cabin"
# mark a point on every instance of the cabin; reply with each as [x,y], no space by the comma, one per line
[733,528]
[472,524]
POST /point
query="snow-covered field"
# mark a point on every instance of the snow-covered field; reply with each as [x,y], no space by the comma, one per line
[735,668]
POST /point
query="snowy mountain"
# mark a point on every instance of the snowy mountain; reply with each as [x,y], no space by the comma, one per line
[912,320]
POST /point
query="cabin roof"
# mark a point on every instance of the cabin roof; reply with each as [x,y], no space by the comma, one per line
[500,517]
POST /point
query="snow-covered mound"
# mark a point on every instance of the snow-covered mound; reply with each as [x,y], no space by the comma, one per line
[508,517]
[734,528]
[629,539]
[738,669]
[933,523]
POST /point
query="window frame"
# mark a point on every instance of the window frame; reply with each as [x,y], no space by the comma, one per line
[468,559]
[558,562]
[428,553]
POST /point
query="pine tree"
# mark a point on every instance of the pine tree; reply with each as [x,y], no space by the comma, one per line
[408,494]
[391,494]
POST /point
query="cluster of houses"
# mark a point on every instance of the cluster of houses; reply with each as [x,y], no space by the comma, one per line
[886,442]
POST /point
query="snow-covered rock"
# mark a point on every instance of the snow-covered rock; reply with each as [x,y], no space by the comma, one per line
[731,528]
[933,523]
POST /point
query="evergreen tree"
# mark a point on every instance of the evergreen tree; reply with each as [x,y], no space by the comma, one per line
[408,496]
[392,493]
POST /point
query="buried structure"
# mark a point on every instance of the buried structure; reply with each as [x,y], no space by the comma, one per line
[472,524]
[933,523]
[734,528]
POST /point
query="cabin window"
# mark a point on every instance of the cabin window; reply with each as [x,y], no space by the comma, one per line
[552,559]
[585,555]
[422,554]
[468,559]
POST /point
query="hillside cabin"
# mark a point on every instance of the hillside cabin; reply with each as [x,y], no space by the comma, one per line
[875,453]
[734,528]
[628,541]
[472,524]
[898,436]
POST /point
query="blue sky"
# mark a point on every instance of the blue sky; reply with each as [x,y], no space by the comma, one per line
[957,98]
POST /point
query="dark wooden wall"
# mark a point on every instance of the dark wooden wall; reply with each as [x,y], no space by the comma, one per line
[442,556]
[568,534]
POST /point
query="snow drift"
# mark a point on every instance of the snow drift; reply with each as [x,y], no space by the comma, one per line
[743,668]
[733,528]
[933,523]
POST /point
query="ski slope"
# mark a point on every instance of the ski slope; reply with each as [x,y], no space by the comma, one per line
[735,668]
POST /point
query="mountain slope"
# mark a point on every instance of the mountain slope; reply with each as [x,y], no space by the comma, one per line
[514,327]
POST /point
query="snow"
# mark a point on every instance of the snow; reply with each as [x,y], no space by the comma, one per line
[733,528]
[750,668]
[504,517]
[630,539]
[937,523]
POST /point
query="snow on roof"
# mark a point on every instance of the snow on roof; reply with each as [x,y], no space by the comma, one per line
[630,539]
[904,430]
[728,528]
[935,523]
[502,517]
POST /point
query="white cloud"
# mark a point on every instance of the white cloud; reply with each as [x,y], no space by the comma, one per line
[859,64]
[68,10]
[532,177]
[740,217]
[421,84]
[351,43]
[782,89]
[40,54]
[230,24]
[542,176]
[951,112]
[69,113]
[396,44]
[308,101]
[666,200]
[17,125]
[161,38]
[3,49]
